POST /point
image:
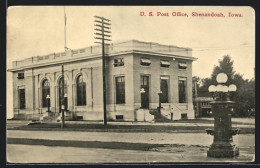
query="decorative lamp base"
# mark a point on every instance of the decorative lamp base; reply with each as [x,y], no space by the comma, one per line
[223,150]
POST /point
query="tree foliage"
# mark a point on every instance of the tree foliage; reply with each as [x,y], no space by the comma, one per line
[245,94]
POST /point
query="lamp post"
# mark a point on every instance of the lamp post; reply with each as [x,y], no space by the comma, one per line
[223,145]
[48,102]
[160,104]
[62,98]
[66,102]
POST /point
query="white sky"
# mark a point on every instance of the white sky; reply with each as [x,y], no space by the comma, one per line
[35,30]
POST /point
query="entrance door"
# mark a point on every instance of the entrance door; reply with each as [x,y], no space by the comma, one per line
[145,95]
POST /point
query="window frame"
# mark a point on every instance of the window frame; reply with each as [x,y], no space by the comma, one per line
[120,96]
[20,75]
[165,65]
[145,64]
[166,97]
[83,94]
[182,67]
[119,64]
[20,100]
[185,89]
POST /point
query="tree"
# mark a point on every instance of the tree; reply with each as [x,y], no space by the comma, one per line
[195,85]
[205,83]
[225,66]
[244,97]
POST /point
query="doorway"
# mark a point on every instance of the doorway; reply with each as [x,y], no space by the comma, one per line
[145,94]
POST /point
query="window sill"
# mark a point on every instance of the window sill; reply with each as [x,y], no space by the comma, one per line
[165,68]
[119,66]
[145,66]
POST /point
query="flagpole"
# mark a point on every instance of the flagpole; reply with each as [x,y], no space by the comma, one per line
[65,20]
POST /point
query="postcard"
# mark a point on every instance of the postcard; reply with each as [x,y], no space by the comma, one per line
[130,84]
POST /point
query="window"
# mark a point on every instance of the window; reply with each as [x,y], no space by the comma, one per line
[145,62]
[118,62]
[164,89]
[81,91]
[45,92]
[145,94]
[21,93]
[182,90]
[119,117]
[20,75]
[182,65]
[165,63]
[120,90]
[184,116]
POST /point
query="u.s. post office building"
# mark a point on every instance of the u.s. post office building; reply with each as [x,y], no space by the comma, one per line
[136,72]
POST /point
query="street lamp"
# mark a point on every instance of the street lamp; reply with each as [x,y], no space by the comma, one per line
[48,102]
[160,104]
[66,101]
[221,91]
[222,107]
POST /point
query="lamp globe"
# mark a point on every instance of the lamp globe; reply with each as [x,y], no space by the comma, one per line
[212,88]
[220,88]
[225,89]
[232,88]
[221,78]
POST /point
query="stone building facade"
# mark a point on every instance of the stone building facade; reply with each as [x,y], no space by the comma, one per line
[131,66]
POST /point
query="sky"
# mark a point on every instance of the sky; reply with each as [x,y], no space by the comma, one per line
[39,30]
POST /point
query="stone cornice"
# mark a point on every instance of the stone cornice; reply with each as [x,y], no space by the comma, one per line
[97,56]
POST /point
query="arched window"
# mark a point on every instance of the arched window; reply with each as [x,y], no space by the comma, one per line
[81,91]
[45,92]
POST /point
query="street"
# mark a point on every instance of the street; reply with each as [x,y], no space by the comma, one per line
[175,147]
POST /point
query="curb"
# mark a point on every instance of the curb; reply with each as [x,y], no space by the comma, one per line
[243,131]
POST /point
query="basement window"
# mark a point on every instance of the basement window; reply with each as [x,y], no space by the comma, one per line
[145,62]
[184,116]
[165,63]
[20,75]
[119,62]
[119,117]
[182,65]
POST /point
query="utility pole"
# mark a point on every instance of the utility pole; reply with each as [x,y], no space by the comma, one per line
[62,98]
[102,34]
[65,33]
[195,99]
